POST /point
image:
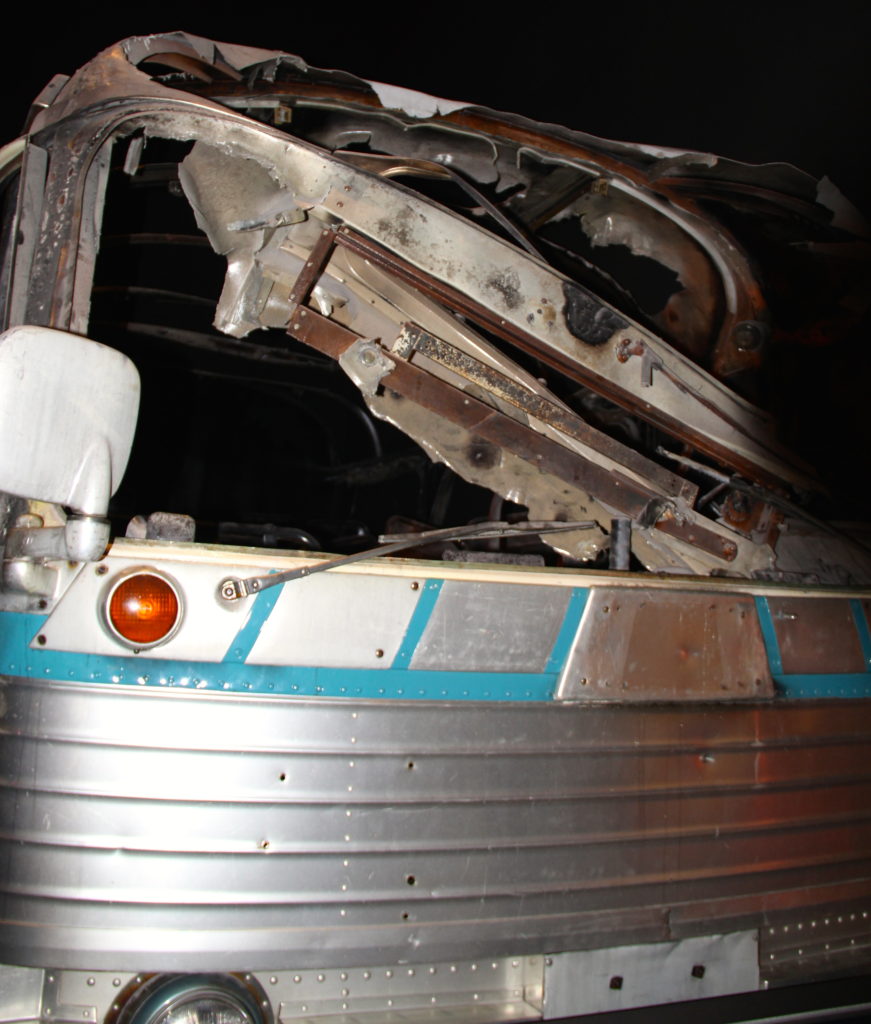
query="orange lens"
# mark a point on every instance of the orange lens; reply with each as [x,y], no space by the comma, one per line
[143,609]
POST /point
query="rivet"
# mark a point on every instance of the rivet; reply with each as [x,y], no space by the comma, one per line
[415,585]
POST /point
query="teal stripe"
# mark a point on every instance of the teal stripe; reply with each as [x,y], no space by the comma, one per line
[769,636]
[261,609]
[19,659]
[571,620]
[426,602]
[861,621]
[823,686]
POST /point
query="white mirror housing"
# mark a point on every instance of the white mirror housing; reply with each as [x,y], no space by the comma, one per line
[68,410]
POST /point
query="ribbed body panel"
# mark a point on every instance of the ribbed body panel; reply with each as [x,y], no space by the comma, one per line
[154,830]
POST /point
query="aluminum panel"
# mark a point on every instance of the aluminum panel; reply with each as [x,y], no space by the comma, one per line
[599,980]
[645,644]
[830,941]
[207,629]
[492,627]
[20,994]
[148,830]
[337,621]
[503,989]
[816,635]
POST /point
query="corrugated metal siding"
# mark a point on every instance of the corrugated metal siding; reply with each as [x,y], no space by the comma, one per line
[150,830]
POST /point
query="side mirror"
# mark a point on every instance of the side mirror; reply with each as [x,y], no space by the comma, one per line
[68,409]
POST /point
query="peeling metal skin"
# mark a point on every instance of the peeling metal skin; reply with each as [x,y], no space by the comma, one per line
[500,268]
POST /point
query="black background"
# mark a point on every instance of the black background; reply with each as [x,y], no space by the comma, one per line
[759,82]
[763,81]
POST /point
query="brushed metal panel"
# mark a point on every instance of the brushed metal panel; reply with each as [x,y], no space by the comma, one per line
[151,830]
[20,994]
[816,635]
[831,940]
[491,989]
[492,627]
[337,621]
[645,644]
[602,980]
[207,629]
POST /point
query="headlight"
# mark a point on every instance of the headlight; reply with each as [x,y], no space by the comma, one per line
[195,999]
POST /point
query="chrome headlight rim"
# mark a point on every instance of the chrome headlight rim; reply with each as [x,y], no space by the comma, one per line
[160,996]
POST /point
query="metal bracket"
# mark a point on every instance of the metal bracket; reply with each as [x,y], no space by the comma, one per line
[366,364]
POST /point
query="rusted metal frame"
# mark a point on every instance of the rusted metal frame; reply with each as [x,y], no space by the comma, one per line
[569,423]
[312,269]
[460,303]
[478,120]
[418,386]
[637,347]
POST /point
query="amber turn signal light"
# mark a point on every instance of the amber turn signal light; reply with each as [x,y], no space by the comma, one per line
[143,610]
